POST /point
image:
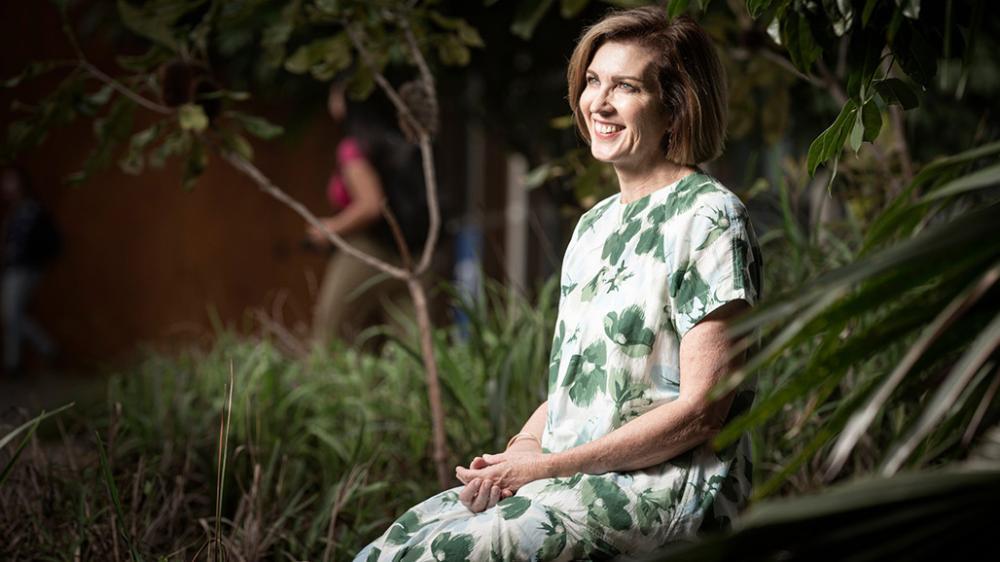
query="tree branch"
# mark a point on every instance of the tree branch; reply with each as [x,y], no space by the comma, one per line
[265,185]
[390,91]
[124,90]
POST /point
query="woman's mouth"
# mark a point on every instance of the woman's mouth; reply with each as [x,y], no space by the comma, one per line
[607,130]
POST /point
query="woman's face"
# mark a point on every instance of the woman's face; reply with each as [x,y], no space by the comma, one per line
[621,106]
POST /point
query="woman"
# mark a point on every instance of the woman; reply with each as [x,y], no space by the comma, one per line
[374,164]
[617,460]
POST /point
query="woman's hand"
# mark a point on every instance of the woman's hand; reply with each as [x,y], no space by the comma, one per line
[508,471]
[318,236]
[481,494]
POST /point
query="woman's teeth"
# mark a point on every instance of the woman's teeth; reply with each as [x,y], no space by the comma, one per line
[606,129]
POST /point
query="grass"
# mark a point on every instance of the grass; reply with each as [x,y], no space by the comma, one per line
[314,457]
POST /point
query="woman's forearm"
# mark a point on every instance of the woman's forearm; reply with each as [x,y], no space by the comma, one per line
[351,219]
[652,438]
[535,426]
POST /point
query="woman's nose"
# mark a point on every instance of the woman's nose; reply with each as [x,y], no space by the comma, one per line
[600,103]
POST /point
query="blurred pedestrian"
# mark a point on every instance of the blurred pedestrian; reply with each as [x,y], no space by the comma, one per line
[31,241]
[376,166]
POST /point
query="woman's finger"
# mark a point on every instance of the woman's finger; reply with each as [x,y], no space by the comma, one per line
[494,459]
[468,494]
[494,496]
[482,496]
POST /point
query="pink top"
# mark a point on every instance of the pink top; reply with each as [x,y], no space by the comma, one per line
[336,190]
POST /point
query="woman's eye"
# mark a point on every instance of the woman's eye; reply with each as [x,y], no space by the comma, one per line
[628,87]
[593,81]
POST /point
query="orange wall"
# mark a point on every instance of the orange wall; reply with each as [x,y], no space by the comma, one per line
[144,260]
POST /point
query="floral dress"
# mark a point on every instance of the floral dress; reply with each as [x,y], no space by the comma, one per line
[635,278]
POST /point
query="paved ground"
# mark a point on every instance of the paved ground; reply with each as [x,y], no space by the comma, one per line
[47,390]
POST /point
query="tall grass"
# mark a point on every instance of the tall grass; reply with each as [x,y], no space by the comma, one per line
[323,450]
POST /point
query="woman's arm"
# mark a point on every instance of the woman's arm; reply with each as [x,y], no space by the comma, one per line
[365,188]
[534,426]
[654,437]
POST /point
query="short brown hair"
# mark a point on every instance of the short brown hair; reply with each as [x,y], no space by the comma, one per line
[691,78]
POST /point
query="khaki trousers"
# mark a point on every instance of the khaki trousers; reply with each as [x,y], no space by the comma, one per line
[354,295]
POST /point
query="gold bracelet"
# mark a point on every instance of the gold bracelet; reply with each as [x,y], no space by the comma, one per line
[526,435]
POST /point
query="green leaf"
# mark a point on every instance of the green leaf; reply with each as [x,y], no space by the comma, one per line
[197,161]
[914,54]
[984,178]
[798,39]
[894,90]
[452,51]
[830,142]
[857,132]
[31,71]
[257,126]
[134,161]
[866,14]
[466,33]
[863,417]
[571,8]
[946,395]
[109,132]
[155,56]
[871,118]
[191,117]
[758,7]
[155,20]
[921,515]
[527,16]
[100,97]
[109,482]
[175,143]
[322,58]
[276,35]
[677,7]
[240,145]
[30,426]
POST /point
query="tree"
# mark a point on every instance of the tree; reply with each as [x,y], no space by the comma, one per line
[173,80]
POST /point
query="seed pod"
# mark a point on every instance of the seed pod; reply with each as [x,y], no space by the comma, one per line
[424,108]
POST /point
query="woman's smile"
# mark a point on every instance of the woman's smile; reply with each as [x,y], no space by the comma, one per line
[606,130]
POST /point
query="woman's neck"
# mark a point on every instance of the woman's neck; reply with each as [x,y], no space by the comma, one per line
[637,183]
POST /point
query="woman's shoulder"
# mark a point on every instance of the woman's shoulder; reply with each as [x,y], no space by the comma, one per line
[349,149]
[700,191]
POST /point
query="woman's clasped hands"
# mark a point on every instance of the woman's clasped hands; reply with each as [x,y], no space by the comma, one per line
[491,478]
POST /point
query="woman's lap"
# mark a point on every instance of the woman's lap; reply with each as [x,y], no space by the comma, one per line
[551,519]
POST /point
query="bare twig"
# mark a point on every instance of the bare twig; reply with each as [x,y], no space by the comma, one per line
[124,90]
[417,292]
[397,235]
[434,228]
[267,186]
[100,75]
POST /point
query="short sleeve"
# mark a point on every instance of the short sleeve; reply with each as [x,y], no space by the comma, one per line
[348,151]
[719,262]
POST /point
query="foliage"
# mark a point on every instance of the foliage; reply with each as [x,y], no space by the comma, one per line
[325,450]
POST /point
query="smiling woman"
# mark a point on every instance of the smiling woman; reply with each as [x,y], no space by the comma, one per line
[616,462]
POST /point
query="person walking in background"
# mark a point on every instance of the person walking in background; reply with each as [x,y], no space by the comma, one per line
[376,166]
[31,241]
